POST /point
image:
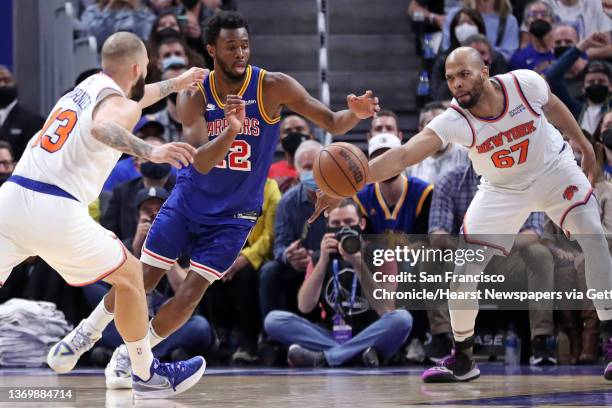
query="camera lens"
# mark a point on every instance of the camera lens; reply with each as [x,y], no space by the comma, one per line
[351,244]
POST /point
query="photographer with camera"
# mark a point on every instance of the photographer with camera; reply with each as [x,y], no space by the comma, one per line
[349,326]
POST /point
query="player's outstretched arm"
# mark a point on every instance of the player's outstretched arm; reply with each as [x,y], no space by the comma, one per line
[290,93]
[111,119]
[159,90]
[560,116]
[389,164]
[394,161]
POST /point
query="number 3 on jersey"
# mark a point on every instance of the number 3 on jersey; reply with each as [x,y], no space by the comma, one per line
[238,157]
[52,137]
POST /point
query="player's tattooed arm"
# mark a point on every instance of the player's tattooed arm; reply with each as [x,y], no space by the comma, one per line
[115,136]
[111,119]
[159,90]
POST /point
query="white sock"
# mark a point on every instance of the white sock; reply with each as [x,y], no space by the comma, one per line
[154,338]
[141,357]
[97,321]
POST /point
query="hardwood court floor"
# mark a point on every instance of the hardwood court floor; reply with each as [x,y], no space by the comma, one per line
[254,388]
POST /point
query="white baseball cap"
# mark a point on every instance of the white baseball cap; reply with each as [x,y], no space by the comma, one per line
[383,141]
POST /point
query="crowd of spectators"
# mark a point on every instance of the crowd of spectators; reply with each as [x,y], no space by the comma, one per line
[294,290]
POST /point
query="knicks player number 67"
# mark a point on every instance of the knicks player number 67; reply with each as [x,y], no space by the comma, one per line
[53,138]
[503,158]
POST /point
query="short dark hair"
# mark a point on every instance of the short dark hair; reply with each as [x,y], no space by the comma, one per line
[385,112]
[223,19]
[600,67]
[7,146]
[349,202]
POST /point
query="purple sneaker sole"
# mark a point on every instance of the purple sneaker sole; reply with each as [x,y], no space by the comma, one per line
[441,374]
[608,372]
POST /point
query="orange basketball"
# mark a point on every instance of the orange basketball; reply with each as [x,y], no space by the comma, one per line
[341,169]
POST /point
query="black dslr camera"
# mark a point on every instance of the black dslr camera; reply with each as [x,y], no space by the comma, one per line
[349,239]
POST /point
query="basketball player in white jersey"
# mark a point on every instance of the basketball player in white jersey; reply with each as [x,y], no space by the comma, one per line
[509,123]
[43,206]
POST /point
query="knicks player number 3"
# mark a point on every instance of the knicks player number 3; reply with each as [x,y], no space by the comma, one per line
[66,120]
[503,158]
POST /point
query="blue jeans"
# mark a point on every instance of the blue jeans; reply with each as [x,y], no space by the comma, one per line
[386,335]
[279,284]
[195,336]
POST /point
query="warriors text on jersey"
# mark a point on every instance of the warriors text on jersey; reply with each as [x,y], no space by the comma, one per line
[236,184]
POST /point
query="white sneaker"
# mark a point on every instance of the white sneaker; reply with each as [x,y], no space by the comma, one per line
[64,355]
[118,372]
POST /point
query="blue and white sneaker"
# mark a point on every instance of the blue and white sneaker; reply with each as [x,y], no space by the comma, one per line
[169,379]
[64,355]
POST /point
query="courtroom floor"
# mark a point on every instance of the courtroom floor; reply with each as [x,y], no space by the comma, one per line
[498,386]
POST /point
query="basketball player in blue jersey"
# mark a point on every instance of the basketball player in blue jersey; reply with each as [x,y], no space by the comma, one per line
[234,118]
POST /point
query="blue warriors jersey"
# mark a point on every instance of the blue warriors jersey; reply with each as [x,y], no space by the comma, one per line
[235,186]
[402,217]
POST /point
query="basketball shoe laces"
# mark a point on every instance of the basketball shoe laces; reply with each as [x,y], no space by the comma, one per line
[171,370]
[449,360]
[80,339]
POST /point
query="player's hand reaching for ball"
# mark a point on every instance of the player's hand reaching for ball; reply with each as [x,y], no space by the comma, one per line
[325,204]
[234,112]
[188,79]
[178,154]
[364,106]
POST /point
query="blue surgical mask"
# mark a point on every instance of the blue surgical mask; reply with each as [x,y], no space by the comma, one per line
[307,179]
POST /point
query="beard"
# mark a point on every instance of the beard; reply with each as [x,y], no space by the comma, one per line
[138,90]
[475,94]
[228,72]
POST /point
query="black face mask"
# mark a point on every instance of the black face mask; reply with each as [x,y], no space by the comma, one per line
[540,28]
[138,89]
[155,171]
[4,177]
[559,51]
[606,138]
[189,4]
[168,32]
[7,95]
[292,141]
[172,97]
[596,93]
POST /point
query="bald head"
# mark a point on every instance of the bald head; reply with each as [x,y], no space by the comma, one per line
[122,48]
[124,58]
[466,73]
[466,56]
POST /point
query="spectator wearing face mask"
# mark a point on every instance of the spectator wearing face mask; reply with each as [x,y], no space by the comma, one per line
[465,23]
[294,240]
[566,38]
[538,54]
[596,85]
[119,217]
[129,168]
[587,16]
[172,67]
[17,124]
[501,25]
[293,131]
[603,150]
[7,162]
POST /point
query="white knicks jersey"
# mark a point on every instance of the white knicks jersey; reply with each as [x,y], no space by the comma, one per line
[513,149]
[64,153]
